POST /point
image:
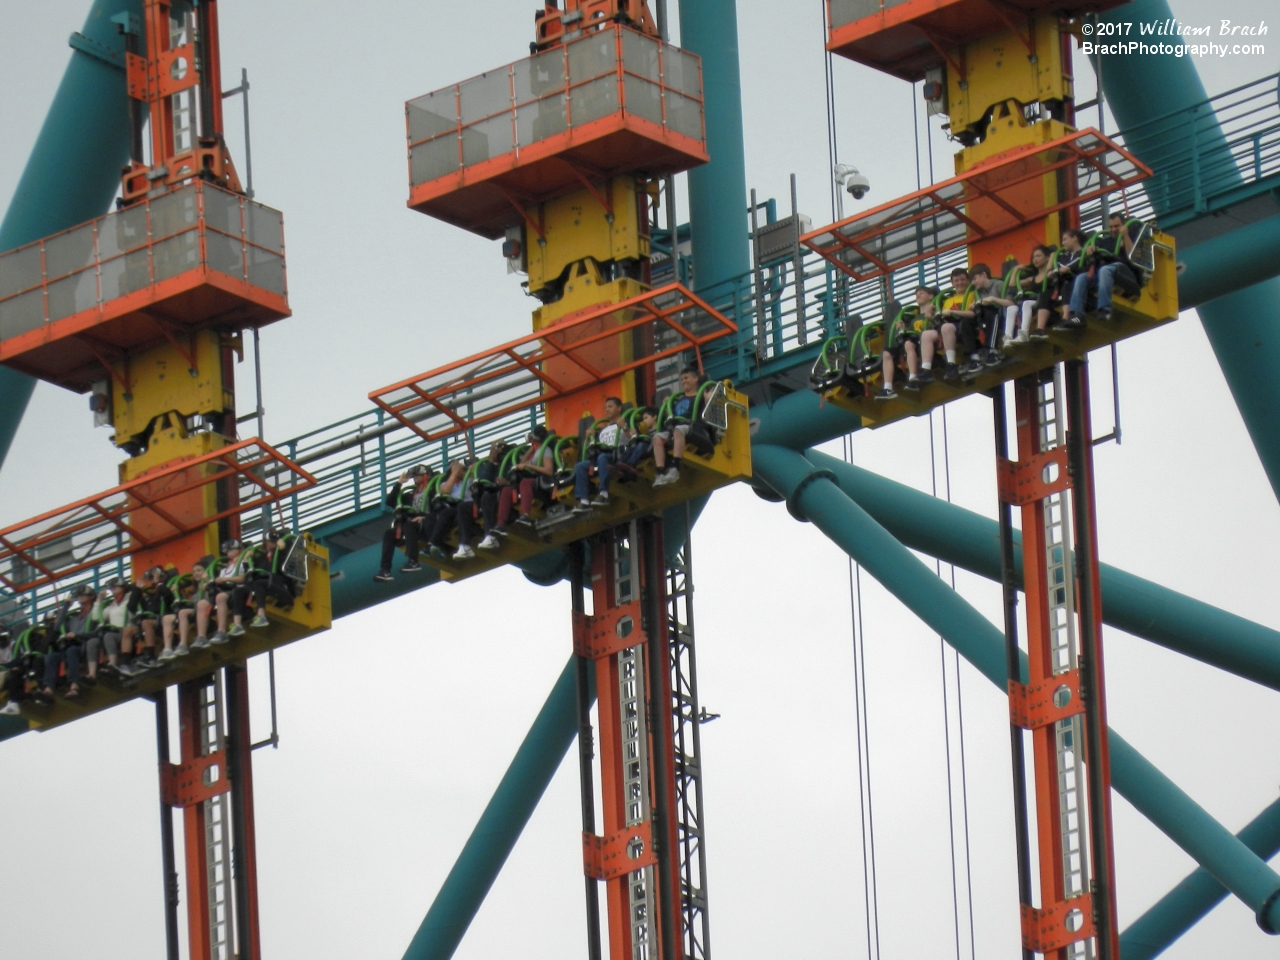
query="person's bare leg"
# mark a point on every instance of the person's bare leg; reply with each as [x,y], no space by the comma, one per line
[928,347]
[913,359]
[659,453]
[202,618]
[887,368]
[221,602]
[166,630]
[126,638]
[677,444]
[1042,319]
[949,341]
[149,635]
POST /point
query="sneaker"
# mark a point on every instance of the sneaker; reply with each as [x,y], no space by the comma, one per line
[583,507]
[464,552]
[218,637]
[413,566]
[382,576]
[1104,314]
[601,500]
[912,384]
[952,373]
[437,553]
[993,358]
[1072,323]
[924,376]
[972,368]
[260,621]
[499,531]
[886,393]
[524,520]
[182,649]
[125,669]
[167,654]
[10,710]
[237,630]
[490,542]
[1039,335]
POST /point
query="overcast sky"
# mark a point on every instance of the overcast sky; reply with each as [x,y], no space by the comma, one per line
[396,725]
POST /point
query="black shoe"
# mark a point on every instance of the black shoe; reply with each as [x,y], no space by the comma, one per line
[971,369]
[925,376]
[993,358]
[1104,314]
[912,384]
[951,374]
[524,520]
[886,393]
[1039,335]
[1072,323]
[411,567]
[383,576]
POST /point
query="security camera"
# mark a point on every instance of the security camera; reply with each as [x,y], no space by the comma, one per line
[853,180]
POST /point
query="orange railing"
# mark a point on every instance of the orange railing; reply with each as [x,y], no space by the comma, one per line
[145,513]
[980,204]
[557,362]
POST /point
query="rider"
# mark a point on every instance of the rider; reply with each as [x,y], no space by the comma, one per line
[410,506]
[904,341]
[1109,253]
[610,434]
[675,429]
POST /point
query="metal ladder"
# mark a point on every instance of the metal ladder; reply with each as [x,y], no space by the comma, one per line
[217,826]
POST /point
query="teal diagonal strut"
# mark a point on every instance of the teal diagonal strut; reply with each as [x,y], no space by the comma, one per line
[812,494]
[1243,327]
[74,168]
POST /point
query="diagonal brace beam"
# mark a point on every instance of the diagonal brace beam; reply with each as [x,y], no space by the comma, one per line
[812,494]
[1129,603]
[1198,893]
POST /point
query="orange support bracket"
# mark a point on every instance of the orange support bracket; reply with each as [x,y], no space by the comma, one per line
[1036,705]
[1057,926]
[194,781]
[605,858]
[1025,481]
[600,636]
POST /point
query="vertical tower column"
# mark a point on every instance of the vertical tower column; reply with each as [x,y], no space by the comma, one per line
[634,850]
[211,786]
[1059,705]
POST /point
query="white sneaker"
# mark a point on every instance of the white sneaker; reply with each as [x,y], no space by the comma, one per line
[182,649]
[167,654]
[670,475]
[601,500]
[490,542]
[464,552]
[10,710]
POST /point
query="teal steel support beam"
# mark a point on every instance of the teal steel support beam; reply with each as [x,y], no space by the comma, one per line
[717,190]
[1230,263]
[812,494]
[1188,903]
[74,167]
[1129,603]
[1243,327]
[500,825]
